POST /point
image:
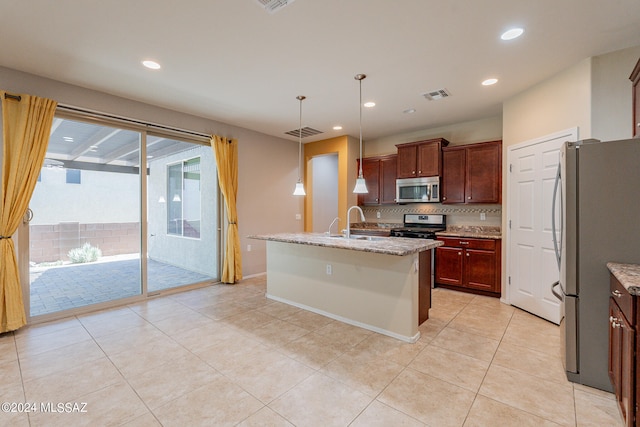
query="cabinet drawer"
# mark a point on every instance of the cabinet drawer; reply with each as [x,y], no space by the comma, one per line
[460,242]
[624,299]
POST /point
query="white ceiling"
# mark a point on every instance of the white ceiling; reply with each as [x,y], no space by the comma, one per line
[231,61]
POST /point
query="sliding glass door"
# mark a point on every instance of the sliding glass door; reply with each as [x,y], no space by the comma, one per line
[182,206]
[87,223]
[84,236]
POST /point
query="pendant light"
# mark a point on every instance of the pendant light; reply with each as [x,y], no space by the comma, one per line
[299,191]
[361,185]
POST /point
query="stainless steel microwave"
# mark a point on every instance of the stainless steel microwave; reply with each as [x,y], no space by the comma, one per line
[418,190]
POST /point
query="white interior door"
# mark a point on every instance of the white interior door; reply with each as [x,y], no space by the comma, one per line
[531,262]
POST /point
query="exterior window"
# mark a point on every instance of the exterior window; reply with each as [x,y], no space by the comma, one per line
[73,176]
[183,198]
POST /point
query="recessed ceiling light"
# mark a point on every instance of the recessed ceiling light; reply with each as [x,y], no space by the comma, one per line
[68,138]
[153,65]
[409,111]
[369,104]
[337,127]
[489,82]
[512,34]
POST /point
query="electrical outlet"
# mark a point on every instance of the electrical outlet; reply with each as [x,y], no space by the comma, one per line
[329,270]
[378,214]
[298,217]
[483,216]
[248,248]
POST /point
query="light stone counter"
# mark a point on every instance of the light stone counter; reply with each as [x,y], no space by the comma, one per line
[471,232]
[382,245]
[628,275]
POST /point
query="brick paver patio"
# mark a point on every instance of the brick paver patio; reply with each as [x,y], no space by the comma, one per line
[77,285]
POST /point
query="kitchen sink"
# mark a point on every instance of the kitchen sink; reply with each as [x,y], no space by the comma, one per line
[359,237]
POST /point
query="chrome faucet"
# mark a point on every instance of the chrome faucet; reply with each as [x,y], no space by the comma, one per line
[348,235]
[332,222]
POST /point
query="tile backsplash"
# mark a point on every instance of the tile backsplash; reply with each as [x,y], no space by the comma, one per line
[457,215]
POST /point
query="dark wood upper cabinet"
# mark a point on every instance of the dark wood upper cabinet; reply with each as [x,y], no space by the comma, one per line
[472,173]
[380,176]
[420,158]
[635,79]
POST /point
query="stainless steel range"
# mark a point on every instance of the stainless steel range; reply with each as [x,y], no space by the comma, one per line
[420,226]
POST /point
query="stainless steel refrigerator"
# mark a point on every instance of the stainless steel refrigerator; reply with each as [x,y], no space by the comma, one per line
[596,219]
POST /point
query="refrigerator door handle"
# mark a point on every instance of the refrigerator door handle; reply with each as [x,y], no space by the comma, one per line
[553,290]
[556,246]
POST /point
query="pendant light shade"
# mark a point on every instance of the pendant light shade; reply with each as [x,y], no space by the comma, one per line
[299,191]
[361,185]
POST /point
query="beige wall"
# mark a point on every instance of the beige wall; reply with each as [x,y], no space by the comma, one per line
[558,103]
[487,129]
[611,108]
[267,170]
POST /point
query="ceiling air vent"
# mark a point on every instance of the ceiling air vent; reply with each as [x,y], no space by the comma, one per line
[272,6]
[436,94]
[306,131]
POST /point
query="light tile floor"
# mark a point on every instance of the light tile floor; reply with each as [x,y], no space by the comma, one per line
[225,355]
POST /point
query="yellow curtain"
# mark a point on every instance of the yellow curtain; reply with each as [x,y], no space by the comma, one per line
[26,124]
[226,151]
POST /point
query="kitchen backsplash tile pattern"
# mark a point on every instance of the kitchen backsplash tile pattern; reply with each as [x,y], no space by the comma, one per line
[463,215]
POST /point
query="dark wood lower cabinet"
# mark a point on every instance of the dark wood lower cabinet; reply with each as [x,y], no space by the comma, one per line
[471,265]
[623,360]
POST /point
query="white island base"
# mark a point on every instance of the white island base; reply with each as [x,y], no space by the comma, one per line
[375,291]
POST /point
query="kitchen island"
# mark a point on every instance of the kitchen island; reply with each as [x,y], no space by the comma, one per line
[378,283]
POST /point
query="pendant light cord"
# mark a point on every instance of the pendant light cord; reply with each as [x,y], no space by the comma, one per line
[300,98]
[360,172]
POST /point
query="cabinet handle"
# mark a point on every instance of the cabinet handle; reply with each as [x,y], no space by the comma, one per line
[611,319]
[469,198]
[617,294]
[413,172]
[459,253]
[376,200]
[614,325]
[464,243]
[419,171]
[467,253]
[444,198]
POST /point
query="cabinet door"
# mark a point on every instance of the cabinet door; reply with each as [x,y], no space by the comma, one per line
[615,348]
[480,269]
[371,172]
[407,160]
[621,361]
[453,176]
[483,173]
[449,265]
[388,173]
[429,159]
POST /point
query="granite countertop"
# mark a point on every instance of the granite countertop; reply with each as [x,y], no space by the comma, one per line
[628,275]
[471,231]
[382,245]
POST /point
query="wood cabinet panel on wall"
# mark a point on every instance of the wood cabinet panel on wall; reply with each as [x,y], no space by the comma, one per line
[420,158]
[635,80]
[380,176]
[472,173]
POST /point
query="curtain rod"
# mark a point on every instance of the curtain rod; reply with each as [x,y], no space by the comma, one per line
[16,97]
[98,114]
